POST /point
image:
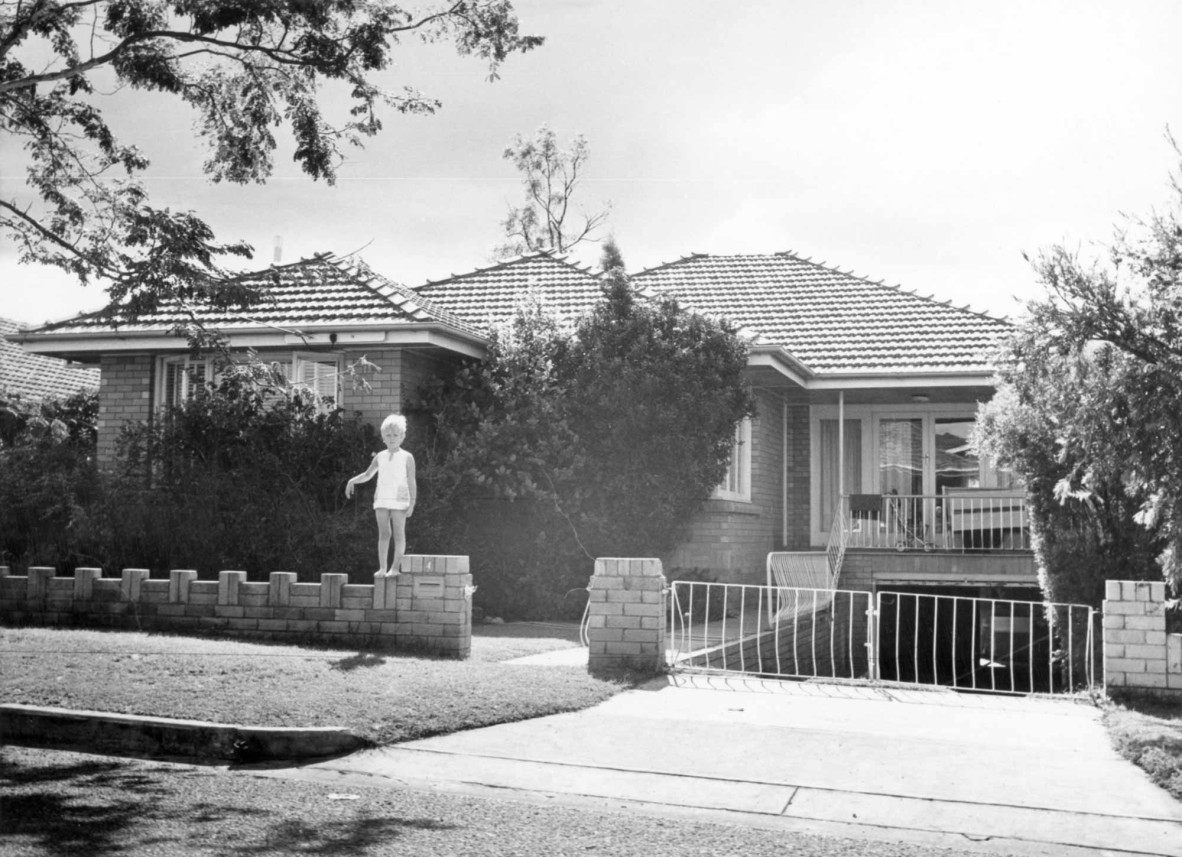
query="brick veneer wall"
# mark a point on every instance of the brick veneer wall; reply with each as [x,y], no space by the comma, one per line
[125,393]
[1138,653]
[732,539]
[428,607]
[626,615]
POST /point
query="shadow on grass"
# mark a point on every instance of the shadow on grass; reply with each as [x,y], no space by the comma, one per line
[359,660]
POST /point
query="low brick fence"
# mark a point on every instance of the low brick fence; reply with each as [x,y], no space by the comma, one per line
[426,608]
[1138,653]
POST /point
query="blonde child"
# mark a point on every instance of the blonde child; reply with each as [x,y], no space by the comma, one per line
[394,499]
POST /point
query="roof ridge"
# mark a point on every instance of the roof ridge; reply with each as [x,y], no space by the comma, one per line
[561,259]
[677,261]
[356,267]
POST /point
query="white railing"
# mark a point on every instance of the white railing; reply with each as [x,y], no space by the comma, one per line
[780,631]
[983,644]
[970,644]
[962,520]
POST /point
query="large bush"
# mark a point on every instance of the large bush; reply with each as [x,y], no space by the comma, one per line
[568,444]
[48,480]
[242,476]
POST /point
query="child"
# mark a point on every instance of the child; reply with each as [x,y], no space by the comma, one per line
[394,499]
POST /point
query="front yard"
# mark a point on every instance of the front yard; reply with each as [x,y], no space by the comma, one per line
[382,697]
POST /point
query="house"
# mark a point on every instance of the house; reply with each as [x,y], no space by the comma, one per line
[858,456]
[32,376]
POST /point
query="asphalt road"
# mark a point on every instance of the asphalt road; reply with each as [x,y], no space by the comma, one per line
[60,803]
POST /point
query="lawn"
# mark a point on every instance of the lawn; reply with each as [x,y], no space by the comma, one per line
[383,697]
[1148,733]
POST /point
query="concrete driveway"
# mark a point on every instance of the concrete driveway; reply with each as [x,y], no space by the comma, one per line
[995,774]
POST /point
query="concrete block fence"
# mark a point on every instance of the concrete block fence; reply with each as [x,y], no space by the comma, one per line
[1138,653]
[626,616]
[427,608]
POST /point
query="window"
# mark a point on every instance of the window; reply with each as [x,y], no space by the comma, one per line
[737,484]
[319,374]
[180,379]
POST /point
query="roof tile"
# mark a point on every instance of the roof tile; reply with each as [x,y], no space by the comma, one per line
[830,320]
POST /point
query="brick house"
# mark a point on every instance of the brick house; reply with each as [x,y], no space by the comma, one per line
[866,396]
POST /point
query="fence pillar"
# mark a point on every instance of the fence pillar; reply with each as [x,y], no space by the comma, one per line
[1136,646]
[228,583]
[279,594]
[84,579]
[38,583]
[626,616]
[179,581]
[331,587]
[132,579]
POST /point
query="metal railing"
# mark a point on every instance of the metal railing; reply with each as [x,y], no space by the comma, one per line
[963,520]
[982,644]
[970,644]
[768,630]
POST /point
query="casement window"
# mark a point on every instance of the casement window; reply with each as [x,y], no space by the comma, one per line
[180,378]
[319,374]
[737,484]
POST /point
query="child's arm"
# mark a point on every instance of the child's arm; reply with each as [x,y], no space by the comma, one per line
[410,483]
[362,477]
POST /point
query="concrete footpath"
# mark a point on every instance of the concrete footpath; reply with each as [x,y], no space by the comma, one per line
[999,775]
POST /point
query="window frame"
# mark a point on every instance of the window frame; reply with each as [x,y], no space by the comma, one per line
[740,459]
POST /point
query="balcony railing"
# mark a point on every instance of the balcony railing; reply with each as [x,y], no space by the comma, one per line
[962,519]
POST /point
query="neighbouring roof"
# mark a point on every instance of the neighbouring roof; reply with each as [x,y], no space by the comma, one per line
[832,322]
[489,295]
[322,290]
[33,376]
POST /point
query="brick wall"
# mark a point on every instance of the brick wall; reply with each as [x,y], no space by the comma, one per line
[1138,653]
[428,607]
[732,539]
[626,615]
[125,393]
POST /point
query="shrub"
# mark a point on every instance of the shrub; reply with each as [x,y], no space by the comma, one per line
[241,476]
[48,479]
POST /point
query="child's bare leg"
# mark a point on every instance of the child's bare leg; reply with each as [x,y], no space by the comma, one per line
[398,522]
[383,516]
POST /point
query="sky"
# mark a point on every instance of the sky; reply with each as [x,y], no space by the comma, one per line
[929,145]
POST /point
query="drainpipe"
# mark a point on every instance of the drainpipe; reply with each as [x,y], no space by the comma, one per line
[784,473]
[840,445]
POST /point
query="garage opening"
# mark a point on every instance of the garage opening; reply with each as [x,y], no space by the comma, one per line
[994,639]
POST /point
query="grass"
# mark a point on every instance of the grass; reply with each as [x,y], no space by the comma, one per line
[382,697]
[1148,732]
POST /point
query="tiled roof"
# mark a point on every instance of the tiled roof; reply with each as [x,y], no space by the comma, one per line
[488,295]
[322,290]
[33,376]
[832,322]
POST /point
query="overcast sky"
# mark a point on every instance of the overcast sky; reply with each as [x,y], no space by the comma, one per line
[926,144]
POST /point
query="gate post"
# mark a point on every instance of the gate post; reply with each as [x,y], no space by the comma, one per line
[872,604]
[626,616]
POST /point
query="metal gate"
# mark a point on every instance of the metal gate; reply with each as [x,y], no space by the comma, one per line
[973,644]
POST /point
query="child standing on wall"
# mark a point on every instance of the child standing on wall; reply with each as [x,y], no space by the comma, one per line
[394,499]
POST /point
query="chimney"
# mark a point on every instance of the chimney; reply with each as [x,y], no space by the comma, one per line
[278,249]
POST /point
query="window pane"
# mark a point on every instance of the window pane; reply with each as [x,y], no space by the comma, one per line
[852,472]
[900,456]
[957,465]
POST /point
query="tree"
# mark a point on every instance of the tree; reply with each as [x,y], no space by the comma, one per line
[569,444]
[246,68]
[1090,408]
[551,176]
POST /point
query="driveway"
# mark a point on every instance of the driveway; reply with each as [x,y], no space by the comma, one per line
[995,774]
